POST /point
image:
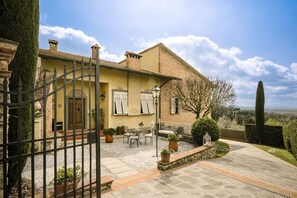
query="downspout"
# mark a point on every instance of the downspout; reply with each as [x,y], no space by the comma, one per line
[160,113]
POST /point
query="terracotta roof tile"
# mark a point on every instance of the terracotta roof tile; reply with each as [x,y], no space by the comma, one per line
[103,63]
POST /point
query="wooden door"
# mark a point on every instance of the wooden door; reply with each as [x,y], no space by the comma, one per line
[78,113]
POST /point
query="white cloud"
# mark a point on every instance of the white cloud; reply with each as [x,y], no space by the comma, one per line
[212,60]
[67,33]
[292,74]
[77,36]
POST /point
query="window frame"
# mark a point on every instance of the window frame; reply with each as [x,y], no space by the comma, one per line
[124,106]
[147,100]
[175,105]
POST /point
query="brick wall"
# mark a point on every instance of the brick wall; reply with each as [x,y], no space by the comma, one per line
[174,66]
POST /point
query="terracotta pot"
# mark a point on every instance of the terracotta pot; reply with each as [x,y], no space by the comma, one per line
[165,158]
[60,188]
[173,145]
[108,138]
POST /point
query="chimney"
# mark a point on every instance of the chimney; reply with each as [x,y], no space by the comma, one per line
[53,45]
[94,51]
[133,60]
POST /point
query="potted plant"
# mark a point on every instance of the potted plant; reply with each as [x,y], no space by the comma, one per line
[165,155]
[109,134]
[60,183]
[173,139]
[101,117]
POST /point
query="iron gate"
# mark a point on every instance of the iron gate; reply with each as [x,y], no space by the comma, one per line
[54,154]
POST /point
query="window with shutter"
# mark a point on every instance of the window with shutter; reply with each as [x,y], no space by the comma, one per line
[174,105]
[146,102]
[120,102]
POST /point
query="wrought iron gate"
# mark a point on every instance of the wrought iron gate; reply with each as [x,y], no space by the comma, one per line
[53,152]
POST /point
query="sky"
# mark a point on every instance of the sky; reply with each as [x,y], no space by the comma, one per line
[241,41]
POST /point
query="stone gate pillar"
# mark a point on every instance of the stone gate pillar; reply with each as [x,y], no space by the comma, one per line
[7,51]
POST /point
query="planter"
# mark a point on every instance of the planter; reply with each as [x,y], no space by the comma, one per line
[165,158]
[109,138]
[173,145]
[60,188]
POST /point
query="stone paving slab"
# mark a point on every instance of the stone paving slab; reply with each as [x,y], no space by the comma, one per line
[127,173]
[248,160]
[245,172]
[191,181]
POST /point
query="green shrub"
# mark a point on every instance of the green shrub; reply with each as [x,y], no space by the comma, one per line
[173,137]
[69,174]
[259,113]
[273,122]
[203,125]
[272,135]
[250,133]
[109,131]
[290,137]
[120,130]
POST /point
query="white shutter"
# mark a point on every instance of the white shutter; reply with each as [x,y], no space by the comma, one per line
[124,100]
[143,100]
[173,107]
[150,103]
[117,101]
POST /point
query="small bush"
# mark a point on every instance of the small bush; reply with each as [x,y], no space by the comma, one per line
[290,137]
[109,131]
[120,130]
[203,125]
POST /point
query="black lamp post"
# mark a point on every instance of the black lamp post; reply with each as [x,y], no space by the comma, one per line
[156,94]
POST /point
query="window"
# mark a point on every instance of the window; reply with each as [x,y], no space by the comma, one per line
[175,105]
[147,103]
[120,102]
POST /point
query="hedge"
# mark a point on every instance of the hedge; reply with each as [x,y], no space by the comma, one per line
[233,134]
[290,137]
[273,135]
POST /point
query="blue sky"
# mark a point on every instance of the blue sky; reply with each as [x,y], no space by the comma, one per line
[242,41]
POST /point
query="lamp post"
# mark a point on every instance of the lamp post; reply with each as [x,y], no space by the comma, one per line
[156,94]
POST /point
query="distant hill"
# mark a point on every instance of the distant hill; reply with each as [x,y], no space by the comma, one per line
[274,110]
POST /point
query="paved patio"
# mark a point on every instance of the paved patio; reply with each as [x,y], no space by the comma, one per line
[245,172]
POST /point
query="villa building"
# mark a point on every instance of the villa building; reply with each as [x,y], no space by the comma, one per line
[125,87]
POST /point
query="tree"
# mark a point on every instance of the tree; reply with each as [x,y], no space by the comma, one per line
[259,112]
[20,23]
[200,96]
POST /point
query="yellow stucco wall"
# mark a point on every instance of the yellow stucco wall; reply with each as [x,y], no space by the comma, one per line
[109,80]
[150,60]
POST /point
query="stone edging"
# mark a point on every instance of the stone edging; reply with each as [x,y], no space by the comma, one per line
[202,152]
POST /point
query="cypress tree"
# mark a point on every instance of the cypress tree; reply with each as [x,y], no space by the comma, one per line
[259,112]
[20,22]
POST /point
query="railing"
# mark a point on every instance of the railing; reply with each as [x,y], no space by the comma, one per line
[41,165]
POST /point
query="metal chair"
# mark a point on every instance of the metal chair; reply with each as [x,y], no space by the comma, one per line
[135,138]
[149,135]
[127,134]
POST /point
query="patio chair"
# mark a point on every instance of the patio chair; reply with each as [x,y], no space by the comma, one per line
[127,134]
[149,135]
[134,138]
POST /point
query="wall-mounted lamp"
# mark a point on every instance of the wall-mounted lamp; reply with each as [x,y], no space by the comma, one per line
[102,96]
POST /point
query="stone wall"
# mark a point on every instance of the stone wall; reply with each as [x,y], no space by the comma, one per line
[202,152]
[7,52]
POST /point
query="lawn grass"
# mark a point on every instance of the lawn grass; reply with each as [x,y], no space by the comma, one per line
[222,149]
[279,153]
